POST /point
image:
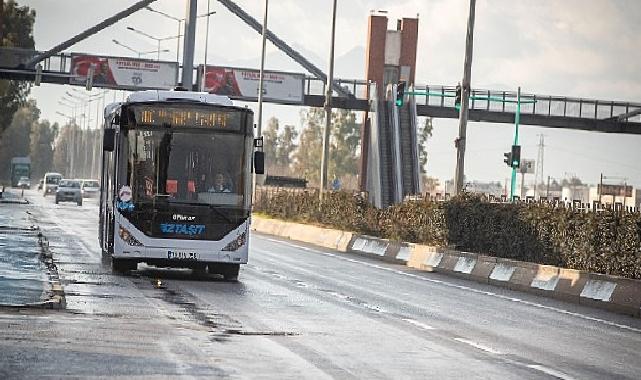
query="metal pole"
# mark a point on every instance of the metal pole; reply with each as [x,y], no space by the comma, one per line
[262,73]
[202,82]
[158,58]
[600,192]
[328,108]
[178,43]
[547,191]
[459,176]
[261,85]
[517,120]
[188,46]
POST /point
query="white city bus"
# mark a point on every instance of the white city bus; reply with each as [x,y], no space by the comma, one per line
[177,182]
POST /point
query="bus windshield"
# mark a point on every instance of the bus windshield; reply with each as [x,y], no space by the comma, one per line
[203,168]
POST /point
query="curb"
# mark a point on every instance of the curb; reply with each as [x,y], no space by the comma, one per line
[613,293]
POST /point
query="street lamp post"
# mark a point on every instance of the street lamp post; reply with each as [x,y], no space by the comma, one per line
[180,21]
[328,109]
[202,85]
[459,176]
[158,40]
[140,53]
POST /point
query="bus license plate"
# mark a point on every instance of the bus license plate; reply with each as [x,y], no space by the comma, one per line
[182,255]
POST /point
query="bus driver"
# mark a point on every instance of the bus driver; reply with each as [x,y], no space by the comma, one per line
[220,185]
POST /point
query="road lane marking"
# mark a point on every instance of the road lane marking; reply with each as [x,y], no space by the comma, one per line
[461,287]
[418,324]
[479,346]
[550,371]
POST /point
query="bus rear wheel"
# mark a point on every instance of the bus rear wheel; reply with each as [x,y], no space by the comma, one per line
[229,271]
[123,265]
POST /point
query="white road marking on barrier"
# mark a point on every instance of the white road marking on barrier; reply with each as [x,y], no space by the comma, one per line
[359,244]
[502,272]
[465,265]
[433,259]
[418,324]
[598,290]
[550,371]
[479,346]
[403,254]
[375,247]
[461,287]
[544,281]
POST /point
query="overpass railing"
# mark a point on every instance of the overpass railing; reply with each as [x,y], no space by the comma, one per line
[541,105]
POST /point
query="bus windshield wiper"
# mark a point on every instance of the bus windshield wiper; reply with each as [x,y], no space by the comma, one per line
[211,207]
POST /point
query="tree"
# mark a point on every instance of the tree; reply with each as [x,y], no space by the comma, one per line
[344,144]
[286,146]
[270,143]
[43,135]
[308,155]
[16,30]
[423,134]
[15,141]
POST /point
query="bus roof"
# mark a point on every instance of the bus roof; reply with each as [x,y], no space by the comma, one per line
[164,95]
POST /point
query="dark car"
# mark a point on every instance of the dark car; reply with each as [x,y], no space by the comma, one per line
[69,191]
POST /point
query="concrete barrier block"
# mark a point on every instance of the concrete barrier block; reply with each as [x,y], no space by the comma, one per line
[546,279]
[404,253]
[369,245]
[448,262]
[465,264]
[501,274]
[570,284]
[483,268]
[524,274]
[627,295]
[424,257]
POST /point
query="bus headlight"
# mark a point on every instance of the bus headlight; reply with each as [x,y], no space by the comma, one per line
[236,243]
[128,238]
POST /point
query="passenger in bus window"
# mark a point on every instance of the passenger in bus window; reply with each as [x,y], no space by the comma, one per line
[220,185]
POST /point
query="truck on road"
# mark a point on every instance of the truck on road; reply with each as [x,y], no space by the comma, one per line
[20,167]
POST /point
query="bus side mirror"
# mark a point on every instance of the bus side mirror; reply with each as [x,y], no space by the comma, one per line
[108,139]
[259,162]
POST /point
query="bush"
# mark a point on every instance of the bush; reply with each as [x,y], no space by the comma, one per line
[605,242]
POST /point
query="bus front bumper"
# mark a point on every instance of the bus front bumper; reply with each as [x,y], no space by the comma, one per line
[172,256]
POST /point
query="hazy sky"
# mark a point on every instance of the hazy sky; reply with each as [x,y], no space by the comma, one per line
[581,48]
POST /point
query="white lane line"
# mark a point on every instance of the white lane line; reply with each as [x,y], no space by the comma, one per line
[461,287]
[550,371]
[479,346]
[418,324]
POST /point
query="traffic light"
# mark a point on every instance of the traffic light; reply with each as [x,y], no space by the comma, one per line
[513,158]
[400,93]
[516,156]
[508,159]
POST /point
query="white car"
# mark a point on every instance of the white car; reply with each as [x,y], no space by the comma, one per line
[90,188]
[69,191]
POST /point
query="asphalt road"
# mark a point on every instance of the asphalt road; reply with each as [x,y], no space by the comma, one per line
[298,312]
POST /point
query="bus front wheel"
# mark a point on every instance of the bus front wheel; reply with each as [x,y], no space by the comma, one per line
[123,265]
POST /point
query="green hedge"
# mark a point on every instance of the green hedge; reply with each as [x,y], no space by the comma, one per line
[605,242]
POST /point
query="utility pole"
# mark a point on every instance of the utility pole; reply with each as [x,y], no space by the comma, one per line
[328,107]
[459,177]
[547,191]
[517,120]
[261,87]
[188,47]
[539,166]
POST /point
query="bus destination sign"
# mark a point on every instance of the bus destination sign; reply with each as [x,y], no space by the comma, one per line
[190,117]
